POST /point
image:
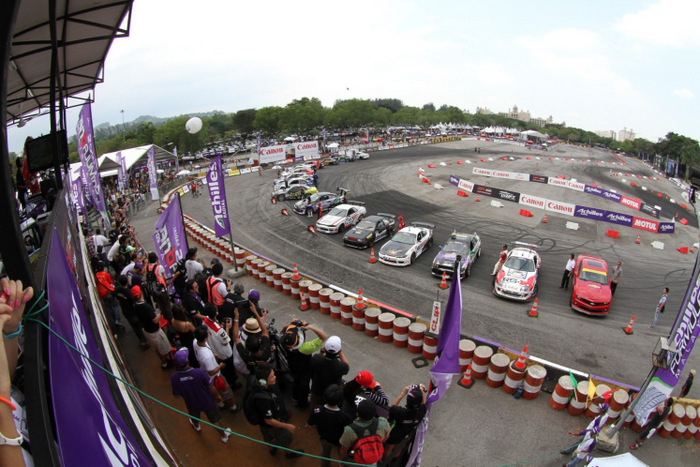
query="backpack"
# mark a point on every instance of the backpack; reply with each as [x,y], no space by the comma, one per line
[368,449]
[154,287]
[180,281]
[249,408]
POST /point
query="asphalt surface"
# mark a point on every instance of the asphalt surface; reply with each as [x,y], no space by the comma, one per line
[492,428]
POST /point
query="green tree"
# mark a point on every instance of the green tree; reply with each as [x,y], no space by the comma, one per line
[430,107]
[267,120]
[243,120]
[406,116]
[382,116]
[679,147]
[394,105]
[302,115]
[145,133]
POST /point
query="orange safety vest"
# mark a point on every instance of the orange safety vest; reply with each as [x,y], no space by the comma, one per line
[159,277]
[213,291]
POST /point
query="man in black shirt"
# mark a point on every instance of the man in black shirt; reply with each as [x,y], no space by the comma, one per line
[150,319]
[330,421]
[126,301]
[404,420]
[662,411]
[193,303]
[329,367]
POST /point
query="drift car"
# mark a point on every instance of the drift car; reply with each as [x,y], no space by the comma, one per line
[370,230]
[468,246]
[341,217]
[407,244]
[591,287]
[294,192]
[517,278]
[296,180]
[326,199]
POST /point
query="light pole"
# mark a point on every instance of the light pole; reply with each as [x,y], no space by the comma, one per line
[123,127]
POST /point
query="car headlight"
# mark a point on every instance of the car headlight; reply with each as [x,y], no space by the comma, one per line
[524,288]
[369,236]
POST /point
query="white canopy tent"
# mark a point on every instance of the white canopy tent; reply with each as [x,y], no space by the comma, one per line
[134,156]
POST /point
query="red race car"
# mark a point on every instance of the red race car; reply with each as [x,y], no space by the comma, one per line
[591,289]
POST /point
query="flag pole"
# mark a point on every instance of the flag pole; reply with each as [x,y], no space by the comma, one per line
[182,218]
[233,248]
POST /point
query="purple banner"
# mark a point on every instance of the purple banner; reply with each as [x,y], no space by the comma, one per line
[89,427]
[589,213]
[217,196]
[121,173]
[259,140]
[618,218]
[88,158]
[667,227]
[76,194]
[152,175]
[454,180]
[169,237]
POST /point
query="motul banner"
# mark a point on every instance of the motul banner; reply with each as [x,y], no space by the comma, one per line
[272,154]
[645,224]
[633,203]
[306,149]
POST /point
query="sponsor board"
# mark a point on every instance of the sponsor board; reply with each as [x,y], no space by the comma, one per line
[272,154]
[559,207]
[633,203]
[649,209]
[520,176]
[645,224]
[306,149]
[501,174]
[532,201]
[506,195]
[557,182]
[539,178]
[589,213]
[618,218]
[482,190]
[574,185]
[464,185]
[667,227]
[454,180]
[480,171]
[612,196]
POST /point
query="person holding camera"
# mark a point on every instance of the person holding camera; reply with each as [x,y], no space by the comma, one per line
[404,420]
[299,355]
[220,343]
[329,367]
[256,349]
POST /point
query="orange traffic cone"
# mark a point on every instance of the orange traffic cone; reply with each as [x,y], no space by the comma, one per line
[639,236]
[533,311]
[311,229]
[372,258]
[360,303]
[467,381]
[274,200]
[304,305]
[296,275]
[284,212]
[443,282]
[477,198]
[628,329]
[520,365]
[544,221]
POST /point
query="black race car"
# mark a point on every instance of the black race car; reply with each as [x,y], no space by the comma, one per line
[370,230]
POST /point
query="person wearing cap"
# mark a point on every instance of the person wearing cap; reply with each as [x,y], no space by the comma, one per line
[329,367]
[122,293]
[404,420]
[363,387]
[208,362]
[128,271]
[272,412]
[299,352]
[192,264]
[330,421]
[366,414]
[150,319]
[198,391]
[257,348]
[235,299]
[254,298]
[591,430]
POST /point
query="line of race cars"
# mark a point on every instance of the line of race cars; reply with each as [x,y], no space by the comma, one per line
[516,279]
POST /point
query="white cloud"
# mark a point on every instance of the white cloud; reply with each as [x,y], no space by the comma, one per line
[671,23]
[684,93]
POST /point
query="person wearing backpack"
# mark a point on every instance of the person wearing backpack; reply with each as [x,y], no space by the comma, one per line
[264,406]
[363,440]
[157,287]
[216,287]
[179,279]
[122,293]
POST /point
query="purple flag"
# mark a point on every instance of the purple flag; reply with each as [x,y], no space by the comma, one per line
[217,196]
[446,362]
[88,158]
[81,391]
[152,175]
[169,237]
[121,173]
[76,194]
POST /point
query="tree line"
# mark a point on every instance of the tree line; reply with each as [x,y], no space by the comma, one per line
[308,117]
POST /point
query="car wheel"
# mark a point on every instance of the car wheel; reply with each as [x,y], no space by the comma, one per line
[430,242]
[478,253]
[468,271]
[413,258]
[371,242]
[280,197]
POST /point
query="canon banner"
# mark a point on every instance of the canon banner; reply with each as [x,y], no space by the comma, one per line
[272,154]
[532,201]
[88,158]
[217,196]
[89,427]
[306,149]
[559,207]
[169,237]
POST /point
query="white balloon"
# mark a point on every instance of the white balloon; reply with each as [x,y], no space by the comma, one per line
[193,125]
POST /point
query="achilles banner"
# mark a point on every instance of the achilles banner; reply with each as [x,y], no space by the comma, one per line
[217,196]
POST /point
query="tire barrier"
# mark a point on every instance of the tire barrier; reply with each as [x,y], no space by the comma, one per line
[497,370]
[294,285]
[401,325]
[430,342]
[578,402]
[287,283]
[304,286]
[593,409]
[346,305]
[254,268]
[239,254]
[358,318]
[270,275]
[694,429]
[514,378]
[372,321]
[618,402]
[335,304]
[686,423]
[324,300]
[386,327]
[466,352]
[628,421]
[480,361]
[314,300]
[416,331]
[674,418]
[277,279]
[534,378]
[262,277]
[561,394]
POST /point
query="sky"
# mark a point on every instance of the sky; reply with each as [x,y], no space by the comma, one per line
[596,65]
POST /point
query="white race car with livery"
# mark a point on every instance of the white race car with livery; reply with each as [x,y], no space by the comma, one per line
[341,217]
[407,245]
[517,278]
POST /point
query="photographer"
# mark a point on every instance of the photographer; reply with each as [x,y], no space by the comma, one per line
[299,353]
[329,367]
[256,349]
[220,343]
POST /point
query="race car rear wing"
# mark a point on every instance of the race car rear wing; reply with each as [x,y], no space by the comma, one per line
[356,203]
[342,191]
[425,225]
[528,245]
[383,214]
